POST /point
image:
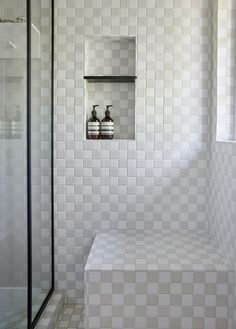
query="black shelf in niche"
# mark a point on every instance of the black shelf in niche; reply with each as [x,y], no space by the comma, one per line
[110,78]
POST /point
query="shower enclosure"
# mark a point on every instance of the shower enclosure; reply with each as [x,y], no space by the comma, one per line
[26,161]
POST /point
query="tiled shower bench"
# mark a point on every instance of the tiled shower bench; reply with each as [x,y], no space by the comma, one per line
[156,282]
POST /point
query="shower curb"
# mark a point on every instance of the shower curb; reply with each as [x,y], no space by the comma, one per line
[52,311]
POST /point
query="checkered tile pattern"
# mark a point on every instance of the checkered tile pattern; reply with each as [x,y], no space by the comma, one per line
[132,291]
[41,148]
[110,56]
[52,313]
[154,252]
[222,162]
[158,181]
[72,317]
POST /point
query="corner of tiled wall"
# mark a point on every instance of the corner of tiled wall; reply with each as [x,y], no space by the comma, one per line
[221,185]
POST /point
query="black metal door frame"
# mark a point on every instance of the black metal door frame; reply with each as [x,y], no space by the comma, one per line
[33,321]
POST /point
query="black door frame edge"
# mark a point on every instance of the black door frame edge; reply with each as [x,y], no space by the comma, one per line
[31,323]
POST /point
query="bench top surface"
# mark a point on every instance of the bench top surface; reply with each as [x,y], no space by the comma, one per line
[154,252]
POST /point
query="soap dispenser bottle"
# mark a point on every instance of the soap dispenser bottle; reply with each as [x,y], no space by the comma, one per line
[93,125]
[16,123]
[107,125]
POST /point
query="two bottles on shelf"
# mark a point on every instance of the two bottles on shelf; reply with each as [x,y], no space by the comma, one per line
[103,129]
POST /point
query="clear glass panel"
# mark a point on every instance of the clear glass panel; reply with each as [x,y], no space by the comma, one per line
[41,150]
[13,191]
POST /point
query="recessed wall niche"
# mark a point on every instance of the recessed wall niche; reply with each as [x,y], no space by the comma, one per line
[110,74]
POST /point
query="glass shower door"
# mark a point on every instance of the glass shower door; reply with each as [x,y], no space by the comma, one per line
[13,165]
[41,151]
[26,198]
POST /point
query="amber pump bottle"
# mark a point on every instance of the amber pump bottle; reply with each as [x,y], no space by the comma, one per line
[93,125]
[107,125]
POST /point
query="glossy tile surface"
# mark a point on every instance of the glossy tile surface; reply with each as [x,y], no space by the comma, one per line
[156,282]
[158,181]
[72,317]
[154,252]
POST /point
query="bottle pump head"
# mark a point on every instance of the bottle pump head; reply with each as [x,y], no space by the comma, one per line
[107,110]
[94,112]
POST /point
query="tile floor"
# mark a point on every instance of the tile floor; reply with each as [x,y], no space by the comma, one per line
[52,312]
[72,317]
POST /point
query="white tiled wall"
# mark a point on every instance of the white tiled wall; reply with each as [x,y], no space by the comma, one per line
[158,181]
[109,56]
[41,147]
[222,168]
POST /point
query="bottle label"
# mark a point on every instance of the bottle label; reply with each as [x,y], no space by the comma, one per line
[93,128]
[107,128]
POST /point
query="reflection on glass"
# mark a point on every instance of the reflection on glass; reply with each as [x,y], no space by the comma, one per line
[41,151]
[13,193]
[13,159]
